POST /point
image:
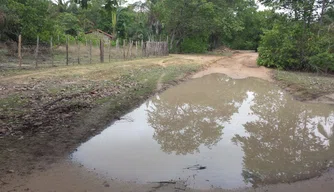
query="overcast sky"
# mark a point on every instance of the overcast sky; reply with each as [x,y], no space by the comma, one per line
[261,7]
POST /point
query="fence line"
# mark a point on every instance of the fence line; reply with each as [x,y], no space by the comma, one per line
[66,50]
[73,51]
[37,47]
[51,51]
[19,51]
[155,49]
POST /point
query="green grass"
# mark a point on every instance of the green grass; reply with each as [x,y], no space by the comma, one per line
[305,85]
[175,72]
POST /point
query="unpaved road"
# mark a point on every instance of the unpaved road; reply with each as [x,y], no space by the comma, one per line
[238,66]
[65,176]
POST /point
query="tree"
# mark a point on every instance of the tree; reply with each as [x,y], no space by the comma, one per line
[302,42]
[83,3]
[29,18]
[199,21]
[111,6]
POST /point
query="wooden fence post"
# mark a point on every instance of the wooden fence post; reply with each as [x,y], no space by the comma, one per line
[109,49]
[124,48]
[171,42]
[142,45]
[36,53]
[155,48]
[117,47]
[78,49]
[130,48]
[101,51]
[51,51]
[90,51]
[19,51]
[136,48]
[167,44]
[147,49]
[67,50]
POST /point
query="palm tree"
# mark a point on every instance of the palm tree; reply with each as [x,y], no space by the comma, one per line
[112,6]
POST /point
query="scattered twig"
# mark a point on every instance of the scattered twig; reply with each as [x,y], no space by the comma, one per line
[165,182]
[3,182]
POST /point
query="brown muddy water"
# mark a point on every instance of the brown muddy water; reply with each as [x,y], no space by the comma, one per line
[216,132]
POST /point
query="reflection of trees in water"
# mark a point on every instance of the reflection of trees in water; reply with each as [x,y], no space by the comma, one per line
[288,141]
[282,146]
[192,114]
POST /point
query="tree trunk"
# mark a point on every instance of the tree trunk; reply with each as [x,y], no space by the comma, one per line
[323,8]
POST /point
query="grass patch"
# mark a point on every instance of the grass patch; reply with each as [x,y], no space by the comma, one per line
[305,85]
[176,72]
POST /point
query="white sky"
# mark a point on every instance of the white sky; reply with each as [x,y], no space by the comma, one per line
[261,7]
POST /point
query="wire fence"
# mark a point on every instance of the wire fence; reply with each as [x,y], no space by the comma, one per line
[25,54]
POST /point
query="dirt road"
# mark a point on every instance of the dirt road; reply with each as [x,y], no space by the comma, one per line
[58,120]
[238,66]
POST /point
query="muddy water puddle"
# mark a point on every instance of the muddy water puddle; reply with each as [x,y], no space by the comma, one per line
[216,132]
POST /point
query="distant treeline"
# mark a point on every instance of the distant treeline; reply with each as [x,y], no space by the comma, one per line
[294,35]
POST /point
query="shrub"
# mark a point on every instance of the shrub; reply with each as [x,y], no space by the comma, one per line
[276,49]
[292,47]
[322,62]
[194,45]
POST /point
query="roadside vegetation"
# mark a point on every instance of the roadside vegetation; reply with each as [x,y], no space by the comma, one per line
[305,86]
[302,39]
[289,35]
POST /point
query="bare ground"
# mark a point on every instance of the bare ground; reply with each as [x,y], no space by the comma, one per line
[46,113]
[238,66]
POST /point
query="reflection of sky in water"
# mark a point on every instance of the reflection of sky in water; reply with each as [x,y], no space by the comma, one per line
[198,123]
[326,123]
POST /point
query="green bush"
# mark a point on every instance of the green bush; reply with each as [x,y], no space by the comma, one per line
[276,49]
[194,45]
[292,47]
[322,62]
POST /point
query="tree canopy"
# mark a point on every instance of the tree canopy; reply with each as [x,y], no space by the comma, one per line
[293,35]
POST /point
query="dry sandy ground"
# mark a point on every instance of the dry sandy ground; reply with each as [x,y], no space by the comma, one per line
[70,177]
[238,66]
[65,176]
